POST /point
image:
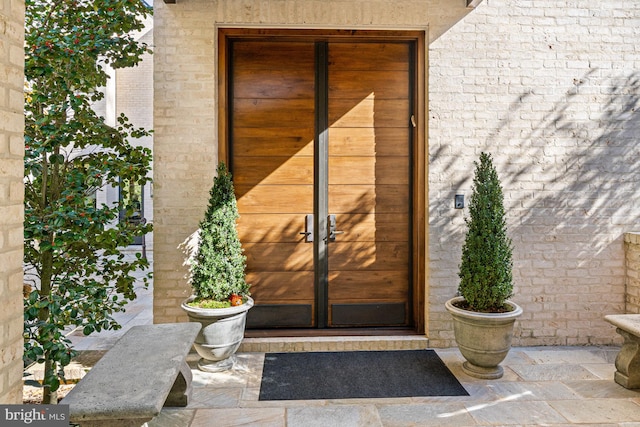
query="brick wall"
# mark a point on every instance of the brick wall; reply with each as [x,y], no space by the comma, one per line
[632,256]
[11,198]
[548,87]
[551,89]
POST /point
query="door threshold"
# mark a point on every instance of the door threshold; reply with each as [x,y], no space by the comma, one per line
[283,344]
[331,332]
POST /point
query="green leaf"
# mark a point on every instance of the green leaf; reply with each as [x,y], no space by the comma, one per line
[56,159]
[33,297]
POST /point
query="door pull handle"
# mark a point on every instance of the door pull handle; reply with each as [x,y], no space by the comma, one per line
[308,228]
[332,229]
[332,236]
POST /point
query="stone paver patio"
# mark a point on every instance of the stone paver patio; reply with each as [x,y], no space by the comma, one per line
[551,386]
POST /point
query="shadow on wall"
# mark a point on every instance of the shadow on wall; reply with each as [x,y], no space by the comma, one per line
[570,182]
[446,14]
[591,157]
[582,212]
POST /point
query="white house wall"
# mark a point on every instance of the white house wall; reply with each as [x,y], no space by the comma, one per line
[134,88]
[129,91]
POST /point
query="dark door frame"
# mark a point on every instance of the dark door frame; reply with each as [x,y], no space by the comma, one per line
[320,187]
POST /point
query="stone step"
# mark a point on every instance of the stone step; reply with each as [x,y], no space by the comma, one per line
[333,343]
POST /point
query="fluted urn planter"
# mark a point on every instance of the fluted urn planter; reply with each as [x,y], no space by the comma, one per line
[484,339]
[221,334]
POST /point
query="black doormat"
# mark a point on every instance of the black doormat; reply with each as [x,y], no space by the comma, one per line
[356,374]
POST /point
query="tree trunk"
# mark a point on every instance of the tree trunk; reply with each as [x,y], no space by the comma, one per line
[49,180]
[49,397]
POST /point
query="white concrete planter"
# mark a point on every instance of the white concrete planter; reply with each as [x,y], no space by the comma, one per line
[484,339]
[221,334]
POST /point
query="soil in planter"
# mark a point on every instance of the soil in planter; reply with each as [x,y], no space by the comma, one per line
[464,305]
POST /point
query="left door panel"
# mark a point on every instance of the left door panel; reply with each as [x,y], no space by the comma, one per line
[272,93]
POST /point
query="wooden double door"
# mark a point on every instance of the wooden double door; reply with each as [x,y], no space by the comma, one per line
[320,145]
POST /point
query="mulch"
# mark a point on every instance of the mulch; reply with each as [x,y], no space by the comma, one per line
[33,395]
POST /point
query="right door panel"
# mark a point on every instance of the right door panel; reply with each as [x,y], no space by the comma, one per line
[369,184]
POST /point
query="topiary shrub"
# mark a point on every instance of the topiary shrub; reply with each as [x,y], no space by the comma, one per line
[218,270]
[486,268]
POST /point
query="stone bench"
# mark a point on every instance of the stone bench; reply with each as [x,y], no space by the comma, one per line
[144,371]
[628,360]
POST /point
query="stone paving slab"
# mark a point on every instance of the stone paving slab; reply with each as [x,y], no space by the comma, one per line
[173,418]
[215,397]
[602,389]
[604,371]
[365,415]
[555,372]
[263,417]
[515,413]
[598,410]
[425,414]
[527,391]
[567,355]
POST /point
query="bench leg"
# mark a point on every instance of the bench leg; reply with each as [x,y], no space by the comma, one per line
[628,361]
[181,391]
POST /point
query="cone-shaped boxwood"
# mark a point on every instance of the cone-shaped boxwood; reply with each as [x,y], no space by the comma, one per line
[486,268]
[218,271]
